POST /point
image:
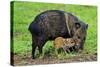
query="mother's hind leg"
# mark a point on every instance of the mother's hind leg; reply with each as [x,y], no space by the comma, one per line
[33,50]
[34,45]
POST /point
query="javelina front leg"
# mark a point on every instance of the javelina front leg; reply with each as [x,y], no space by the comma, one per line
[76,48]
[81,45]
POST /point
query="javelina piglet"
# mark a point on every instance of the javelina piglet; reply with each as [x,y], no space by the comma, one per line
[65,43]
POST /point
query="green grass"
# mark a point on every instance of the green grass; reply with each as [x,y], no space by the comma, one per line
[25,12]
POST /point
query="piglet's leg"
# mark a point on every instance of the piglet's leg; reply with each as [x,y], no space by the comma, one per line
[64,48]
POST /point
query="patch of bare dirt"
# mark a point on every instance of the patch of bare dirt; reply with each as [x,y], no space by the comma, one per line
[27,60]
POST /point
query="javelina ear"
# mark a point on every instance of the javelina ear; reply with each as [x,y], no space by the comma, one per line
[77,25]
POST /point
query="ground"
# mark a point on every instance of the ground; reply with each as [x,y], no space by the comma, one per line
[23,13]
[27,60]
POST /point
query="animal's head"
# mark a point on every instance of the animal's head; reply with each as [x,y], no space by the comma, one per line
[80,30]
[76,27]
[80,34]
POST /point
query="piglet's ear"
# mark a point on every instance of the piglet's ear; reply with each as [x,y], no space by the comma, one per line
[77,25]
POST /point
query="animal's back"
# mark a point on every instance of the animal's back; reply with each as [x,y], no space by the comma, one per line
[53,22]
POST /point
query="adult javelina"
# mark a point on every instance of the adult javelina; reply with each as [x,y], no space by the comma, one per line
[51,24]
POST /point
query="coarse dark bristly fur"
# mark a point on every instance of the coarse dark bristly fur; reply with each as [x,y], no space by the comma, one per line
[51,24]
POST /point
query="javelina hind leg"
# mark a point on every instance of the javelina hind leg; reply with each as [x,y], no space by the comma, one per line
[33,50]
[34,45]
